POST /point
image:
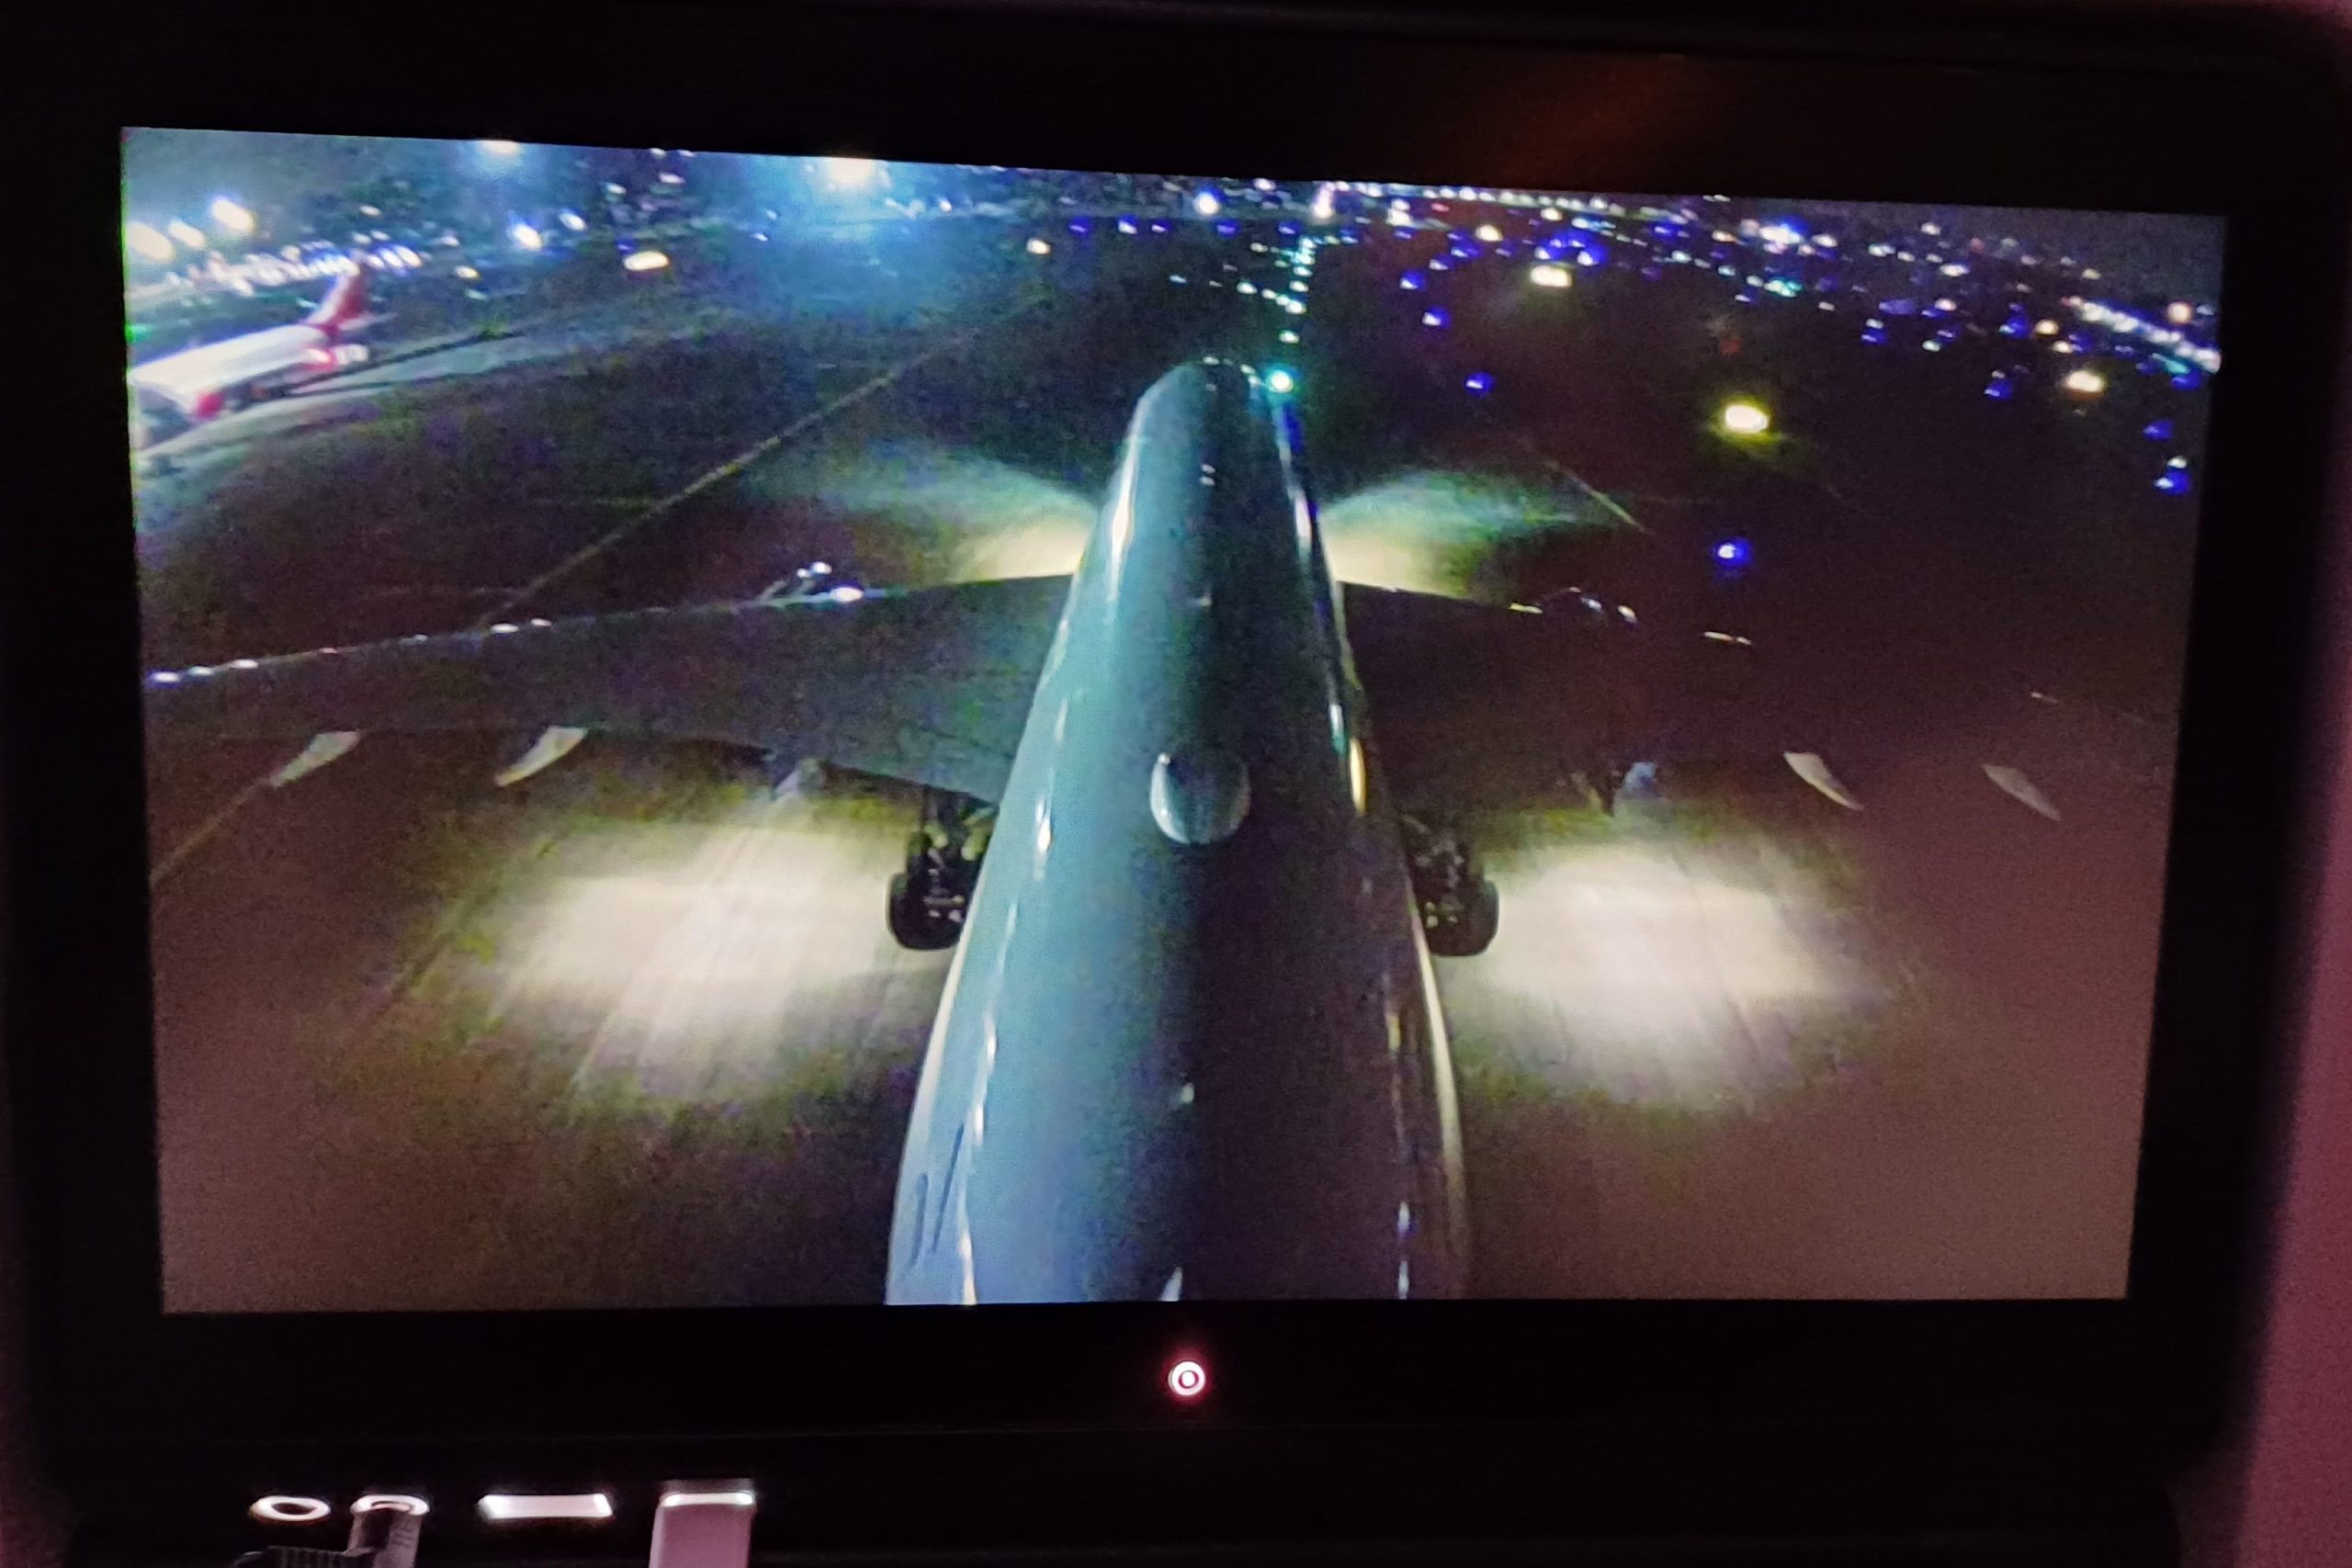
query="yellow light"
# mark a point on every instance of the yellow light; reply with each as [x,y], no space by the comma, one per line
[186,233]
[1038,247]
[2085,382]
[499,149]
[1488,234]
[2180,312]
[1549,275]
[645,261]
[1743,418]
[2045,328]
[147,240]
[232,217]
[1281,382]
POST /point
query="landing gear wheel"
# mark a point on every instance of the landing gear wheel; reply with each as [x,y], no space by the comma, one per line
[1460,908]
[916,922]
[1467,932]
[1471,929]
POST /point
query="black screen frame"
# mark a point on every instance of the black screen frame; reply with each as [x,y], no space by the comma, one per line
[2057,117]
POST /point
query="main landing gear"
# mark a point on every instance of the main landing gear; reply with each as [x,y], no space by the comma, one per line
[1459,906]
[930,898]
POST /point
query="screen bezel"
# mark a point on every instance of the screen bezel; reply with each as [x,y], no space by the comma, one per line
[131,1389]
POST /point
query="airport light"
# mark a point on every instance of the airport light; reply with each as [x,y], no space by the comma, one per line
[1039,247]
[2045,328]
[1286,335]
[147,241]
[2085,382]
[497,148]
[1279,380]
[1207,204]
[1549,275]
[645,261]
[1488,234]
[232,218]
[1741,417]
[1731,552]
[186,233]
[2180,312]
[526,237]
[571,220]
[1321,209]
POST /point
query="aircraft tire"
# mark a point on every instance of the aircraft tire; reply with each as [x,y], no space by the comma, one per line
[913,924]
[1474,931]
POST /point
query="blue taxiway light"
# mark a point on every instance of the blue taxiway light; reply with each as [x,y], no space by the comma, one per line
[2000,389]
[1480,382]
[1081,226]
[1874,336]
[1411,281]
[1731,552]
[2188,380]
[1433,318]
[2158,430]
[2173,482]
[1228,227]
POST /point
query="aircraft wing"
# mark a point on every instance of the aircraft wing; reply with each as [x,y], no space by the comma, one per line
[1479,705]
[932,686]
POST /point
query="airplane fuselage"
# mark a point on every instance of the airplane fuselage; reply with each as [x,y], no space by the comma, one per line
[1190,1045]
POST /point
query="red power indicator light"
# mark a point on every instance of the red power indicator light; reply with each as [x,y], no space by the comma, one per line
[1188,1380]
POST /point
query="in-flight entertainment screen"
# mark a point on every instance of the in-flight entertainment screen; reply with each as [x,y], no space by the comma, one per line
[752,730]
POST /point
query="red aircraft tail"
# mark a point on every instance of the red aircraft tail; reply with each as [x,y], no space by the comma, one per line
[343,304]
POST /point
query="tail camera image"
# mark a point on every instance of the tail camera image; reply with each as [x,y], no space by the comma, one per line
[757,730]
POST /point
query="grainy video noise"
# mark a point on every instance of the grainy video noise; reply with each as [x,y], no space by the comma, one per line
[756,730]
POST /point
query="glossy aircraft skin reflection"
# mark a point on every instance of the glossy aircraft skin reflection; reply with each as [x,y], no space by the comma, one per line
[1190,1043]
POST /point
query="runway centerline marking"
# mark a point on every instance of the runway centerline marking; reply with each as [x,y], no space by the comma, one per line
[259,786]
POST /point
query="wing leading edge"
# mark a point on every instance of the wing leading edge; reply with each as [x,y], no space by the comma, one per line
[932,686]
